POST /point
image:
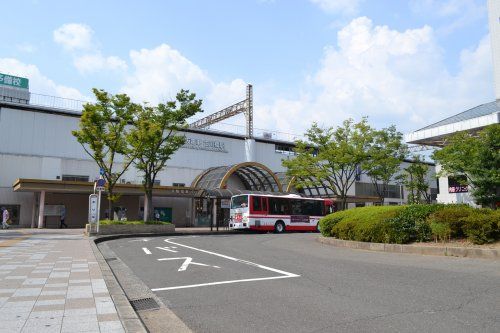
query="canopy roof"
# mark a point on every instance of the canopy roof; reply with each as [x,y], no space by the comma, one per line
[253,175]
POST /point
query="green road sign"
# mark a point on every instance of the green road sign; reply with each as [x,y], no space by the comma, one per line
[13,81]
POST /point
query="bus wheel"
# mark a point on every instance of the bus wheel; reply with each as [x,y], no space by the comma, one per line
[279,227]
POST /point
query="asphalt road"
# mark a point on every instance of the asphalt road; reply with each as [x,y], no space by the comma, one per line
[290,283]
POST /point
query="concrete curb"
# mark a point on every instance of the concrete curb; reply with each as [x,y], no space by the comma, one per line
[160,319]
[99,239]
[127,315]
[480,253]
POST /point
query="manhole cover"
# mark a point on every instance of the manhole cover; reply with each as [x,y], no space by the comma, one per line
[144,304]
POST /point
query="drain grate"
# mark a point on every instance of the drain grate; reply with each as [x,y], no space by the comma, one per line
[144,304]
[110,259]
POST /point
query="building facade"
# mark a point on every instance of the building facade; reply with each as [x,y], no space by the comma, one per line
[43,169]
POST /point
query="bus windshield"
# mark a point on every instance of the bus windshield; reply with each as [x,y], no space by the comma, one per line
[240,201]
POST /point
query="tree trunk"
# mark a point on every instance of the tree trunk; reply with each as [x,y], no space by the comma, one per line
[344,202]
[148,208]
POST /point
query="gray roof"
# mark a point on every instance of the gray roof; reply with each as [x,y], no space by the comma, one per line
[475,112]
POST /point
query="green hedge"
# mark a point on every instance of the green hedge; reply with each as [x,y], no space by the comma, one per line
[404,224]
[364,224]
[482,226]
[109,222]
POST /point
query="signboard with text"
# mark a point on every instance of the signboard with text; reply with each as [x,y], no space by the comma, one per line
[13,81]
[299,219]
[93,208]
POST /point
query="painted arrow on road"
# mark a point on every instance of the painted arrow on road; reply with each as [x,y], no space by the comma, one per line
[187,261]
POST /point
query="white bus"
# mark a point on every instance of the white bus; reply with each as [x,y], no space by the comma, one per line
[277,213]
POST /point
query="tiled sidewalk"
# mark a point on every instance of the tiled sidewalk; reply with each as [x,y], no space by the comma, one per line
[50,281]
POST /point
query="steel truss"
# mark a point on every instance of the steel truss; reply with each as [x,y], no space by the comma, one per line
[245,106]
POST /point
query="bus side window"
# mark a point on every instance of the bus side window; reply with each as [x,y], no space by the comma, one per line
[264,204]
[256,205]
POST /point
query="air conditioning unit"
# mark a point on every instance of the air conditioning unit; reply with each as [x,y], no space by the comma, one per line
[267,135]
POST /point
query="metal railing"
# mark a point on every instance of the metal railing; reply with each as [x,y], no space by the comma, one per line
[76,106]
[57,102]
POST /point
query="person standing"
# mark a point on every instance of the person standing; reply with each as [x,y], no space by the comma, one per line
[63,217]
[5,218]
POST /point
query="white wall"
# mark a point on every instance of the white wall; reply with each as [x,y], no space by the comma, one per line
[452,198]
[40,145]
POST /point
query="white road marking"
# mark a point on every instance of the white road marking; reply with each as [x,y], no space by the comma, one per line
[167,248]
[145,249]
[223,282]
[284,275]
[235,259]
[139,240]
[187,261]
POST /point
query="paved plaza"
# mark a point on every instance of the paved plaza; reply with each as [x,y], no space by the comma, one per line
[50,281]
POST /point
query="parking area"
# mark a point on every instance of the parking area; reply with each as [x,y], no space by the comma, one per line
[283,283]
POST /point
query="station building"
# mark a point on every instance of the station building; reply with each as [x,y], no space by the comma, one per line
[43,168]
[452,188]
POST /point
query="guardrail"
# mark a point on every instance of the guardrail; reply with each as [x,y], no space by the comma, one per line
[56,102]
[77,106]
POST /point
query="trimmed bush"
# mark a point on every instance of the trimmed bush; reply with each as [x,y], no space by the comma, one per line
[366,224]
[440,231]
[452,215]
[326,223]
[482,226]
[410,224]
[403,224]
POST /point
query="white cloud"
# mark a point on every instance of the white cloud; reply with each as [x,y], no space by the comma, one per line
[456,14]
[74,36]
[394,77]
[159,73]
[37,81]
[345,7]
[78,39]
[96,62]
[224,94]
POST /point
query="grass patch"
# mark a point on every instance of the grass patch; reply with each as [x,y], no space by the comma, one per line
[113,222]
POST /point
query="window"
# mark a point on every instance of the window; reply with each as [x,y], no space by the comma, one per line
[239,201]
[312,208]
[358,173]
[284,149]
[179,184]
[256,204]
[75,178]
[368,189]
[278,206]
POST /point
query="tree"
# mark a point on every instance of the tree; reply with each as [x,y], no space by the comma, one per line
[414,179]
[154,138]
[476,156]
[331,157]
[385,155]
[102,135]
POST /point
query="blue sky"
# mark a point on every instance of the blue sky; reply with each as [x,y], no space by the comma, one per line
[398,62]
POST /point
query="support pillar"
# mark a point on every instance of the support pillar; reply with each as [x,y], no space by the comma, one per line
[33,211]
[41,209]
[214,213]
